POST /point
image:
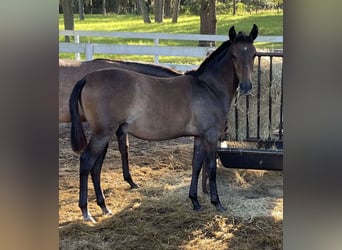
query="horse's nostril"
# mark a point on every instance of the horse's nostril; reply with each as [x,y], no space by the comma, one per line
[245,88]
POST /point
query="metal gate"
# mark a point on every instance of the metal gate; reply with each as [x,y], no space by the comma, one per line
[254,137]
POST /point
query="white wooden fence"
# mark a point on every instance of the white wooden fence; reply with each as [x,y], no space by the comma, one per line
[89,49]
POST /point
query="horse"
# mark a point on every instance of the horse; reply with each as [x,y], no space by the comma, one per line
[71,71]
[152,108]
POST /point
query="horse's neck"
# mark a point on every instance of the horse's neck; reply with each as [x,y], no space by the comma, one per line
[221,76]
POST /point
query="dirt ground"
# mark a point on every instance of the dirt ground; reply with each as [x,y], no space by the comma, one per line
[159,215]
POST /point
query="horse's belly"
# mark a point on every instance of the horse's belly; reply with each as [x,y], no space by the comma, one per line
[151,129]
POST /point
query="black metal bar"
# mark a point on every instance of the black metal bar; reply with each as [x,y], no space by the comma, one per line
[281,107]
[236,120]
[258,97]
[270,99]
[247,120]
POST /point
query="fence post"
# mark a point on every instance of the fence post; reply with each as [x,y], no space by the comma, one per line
[156,57]
[89,51]
[77,55]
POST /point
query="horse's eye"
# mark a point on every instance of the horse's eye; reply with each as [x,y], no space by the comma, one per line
[233,56]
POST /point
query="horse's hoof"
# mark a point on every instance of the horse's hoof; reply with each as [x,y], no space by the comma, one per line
[220,208]
[197,209]
[89,218]
[107,212]
[131,182]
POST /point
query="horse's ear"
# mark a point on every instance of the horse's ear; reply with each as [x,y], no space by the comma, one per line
[232,33]
[254,32]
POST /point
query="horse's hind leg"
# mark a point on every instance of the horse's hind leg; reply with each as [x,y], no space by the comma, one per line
[96,178]
[90,155]
[123,148]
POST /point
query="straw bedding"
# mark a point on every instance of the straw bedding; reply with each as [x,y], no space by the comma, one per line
[159,215]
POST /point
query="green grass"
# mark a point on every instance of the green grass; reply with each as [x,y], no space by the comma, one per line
[270,23]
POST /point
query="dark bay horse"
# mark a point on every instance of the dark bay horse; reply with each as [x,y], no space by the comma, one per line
[153,108]
[70,71]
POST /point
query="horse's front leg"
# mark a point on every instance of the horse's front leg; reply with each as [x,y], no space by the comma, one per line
[198,156]
[211,165]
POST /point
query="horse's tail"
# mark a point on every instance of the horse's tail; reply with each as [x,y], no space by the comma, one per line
[78,138]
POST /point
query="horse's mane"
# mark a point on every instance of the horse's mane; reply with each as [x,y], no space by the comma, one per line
[215,56]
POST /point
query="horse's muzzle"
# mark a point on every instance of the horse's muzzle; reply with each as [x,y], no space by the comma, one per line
[245,88]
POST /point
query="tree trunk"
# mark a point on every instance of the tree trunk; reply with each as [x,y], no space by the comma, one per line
[138,9]
[89,6]
[81,9]
[104,11]
[167,8]
[175,10]
[144,11]
[159,10]
[207,21]
[68,17]
[116,7]
[234,7]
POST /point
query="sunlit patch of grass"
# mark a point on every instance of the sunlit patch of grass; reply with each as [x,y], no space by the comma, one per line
[270,23]
[268,45]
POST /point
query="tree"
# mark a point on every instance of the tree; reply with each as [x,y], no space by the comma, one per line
[144,7]
[175,10]
[104,11]
[167,8]
[278,4]
[208,20]
[234,7]
[68,17]
[81,9]
[89,7]
[159,10]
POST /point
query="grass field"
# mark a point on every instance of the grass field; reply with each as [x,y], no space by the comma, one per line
[270,23]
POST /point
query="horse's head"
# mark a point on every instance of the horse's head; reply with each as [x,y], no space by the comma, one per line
[243,52]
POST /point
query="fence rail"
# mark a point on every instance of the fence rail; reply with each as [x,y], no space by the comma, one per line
[90,49]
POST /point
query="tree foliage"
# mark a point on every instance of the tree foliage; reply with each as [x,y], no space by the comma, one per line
[185,6]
